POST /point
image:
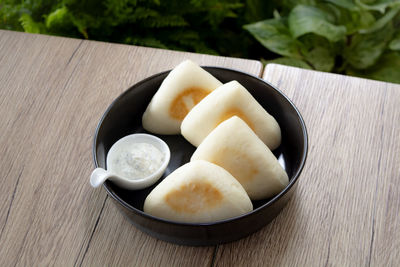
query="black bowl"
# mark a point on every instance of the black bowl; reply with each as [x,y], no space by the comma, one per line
[124,117]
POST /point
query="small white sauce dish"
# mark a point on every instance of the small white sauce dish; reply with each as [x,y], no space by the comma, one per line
[123,145]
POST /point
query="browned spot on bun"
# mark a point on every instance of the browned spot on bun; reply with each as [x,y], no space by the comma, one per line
[235,112]
[178,108]
[236,163]
[193,197]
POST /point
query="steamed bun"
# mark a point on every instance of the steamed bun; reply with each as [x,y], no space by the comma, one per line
[183,88]
[236,148]
[230,99]
[198,192]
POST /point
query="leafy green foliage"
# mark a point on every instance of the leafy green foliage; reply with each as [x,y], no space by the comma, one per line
[354,37]
[357,37]
[288,61]
[275,35]
[29,25]
[193,25]
[365,49]
[308,19]
[395,43]
[386,69]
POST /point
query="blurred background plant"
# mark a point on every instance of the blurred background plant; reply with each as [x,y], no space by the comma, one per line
[353,37]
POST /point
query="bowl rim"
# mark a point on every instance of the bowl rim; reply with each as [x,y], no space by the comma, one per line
[263,206]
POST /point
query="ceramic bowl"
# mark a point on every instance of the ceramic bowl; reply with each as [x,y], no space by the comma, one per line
[124,117]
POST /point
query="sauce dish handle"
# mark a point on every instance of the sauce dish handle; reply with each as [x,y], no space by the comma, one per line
[98,176]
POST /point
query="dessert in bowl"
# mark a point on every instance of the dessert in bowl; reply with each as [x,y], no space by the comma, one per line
[124,117]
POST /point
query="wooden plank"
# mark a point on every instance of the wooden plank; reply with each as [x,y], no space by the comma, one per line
[346,208]
[53,91]
[43,207]
[385,240]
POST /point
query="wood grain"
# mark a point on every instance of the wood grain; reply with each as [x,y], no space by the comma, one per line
[346,208]
[52,94]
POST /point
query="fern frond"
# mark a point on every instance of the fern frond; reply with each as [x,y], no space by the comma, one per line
[29,25]
[56,17]
[143,13]
[146,41]
[162,21]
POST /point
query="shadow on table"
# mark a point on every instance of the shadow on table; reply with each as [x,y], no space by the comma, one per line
[271,241]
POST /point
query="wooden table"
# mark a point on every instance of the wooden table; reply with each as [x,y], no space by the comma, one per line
[52,93]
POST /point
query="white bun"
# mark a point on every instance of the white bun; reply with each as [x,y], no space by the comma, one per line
[198,192]
[224,102]
[184,87]
[237,149]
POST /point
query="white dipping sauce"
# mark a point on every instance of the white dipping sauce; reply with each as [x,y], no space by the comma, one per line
[136,160]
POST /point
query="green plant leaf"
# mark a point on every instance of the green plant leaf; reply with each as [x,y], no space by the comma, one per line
[256,10]
[321,58]
[395,43]
[352,20]
[309,19]
[56,17]
[288,61]
[365,19]
[29,25]
[347,4]
[80,25]
[292,3]
[380,23]
[378,5]
[165,21]
[146,41]
[365,49]
[318,52]
[275,35]
[387,69]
